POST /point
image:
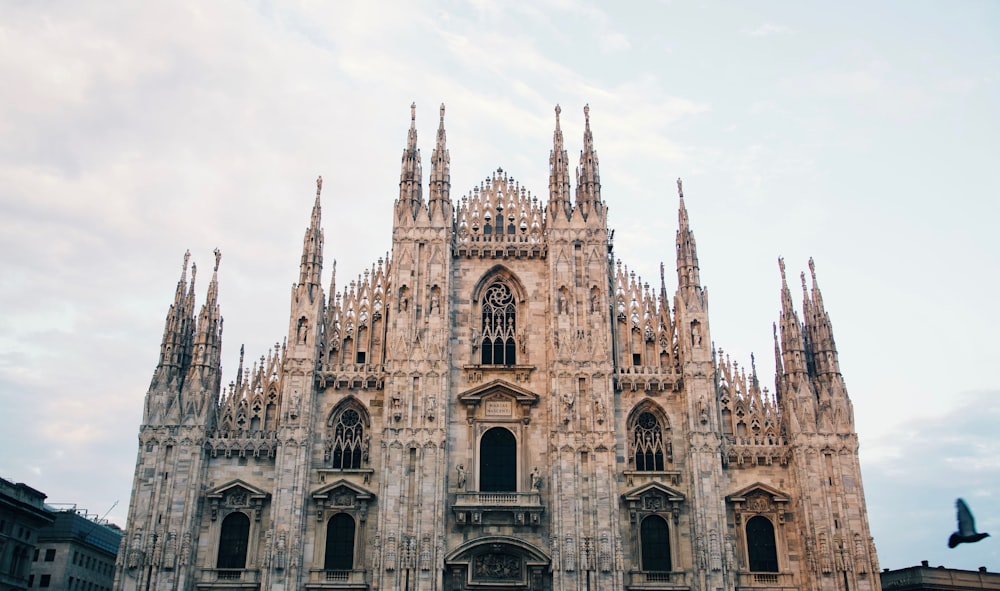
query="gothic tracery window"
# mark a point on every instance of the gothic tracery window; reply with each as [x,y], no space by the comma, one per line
[650,451]
[347,443]
[499,327]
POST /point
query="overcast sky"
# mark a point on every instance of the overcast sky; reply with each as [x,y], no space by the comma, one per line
[865,135]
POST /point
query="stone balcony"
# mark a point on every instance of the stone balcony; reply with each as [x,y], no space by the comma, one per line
[498,508]
[650,379]
[228,579]
[658,580]
[366,376]
[768,581]
[337,579]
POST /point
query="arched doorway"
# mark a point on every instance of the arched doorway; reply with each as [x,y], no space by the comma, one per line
[498,461]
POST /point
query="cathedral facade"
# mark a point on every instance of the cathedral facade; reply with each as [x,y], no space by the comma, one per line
[500,404]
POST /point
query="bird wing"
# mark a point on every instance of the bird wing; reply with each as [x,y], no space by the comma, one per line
[966,523]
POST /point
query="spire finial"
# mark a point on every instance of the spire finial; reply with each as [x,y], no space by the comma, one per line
[802,276]
[680,188]
[781,265]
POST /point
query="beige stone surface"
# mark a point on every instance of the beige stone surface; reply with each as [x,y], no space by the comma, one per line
[376,406]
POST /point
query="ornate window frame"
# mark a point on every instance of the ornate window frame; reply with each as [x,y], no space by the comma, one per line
[666,443]
[513,310]
[238,496]
[504,405]
[330,439]
[762,500]
[654,498]
[341,496]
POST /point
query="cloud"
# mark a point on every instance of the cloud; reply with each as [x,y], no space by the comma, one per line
[768,30]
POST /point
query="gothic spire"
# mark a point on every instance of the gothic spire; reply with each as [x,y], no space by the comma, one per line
[823,349]
[440,165]
[792,345]
[411,175]
[203,373]
[175,346]
[588,176]
[779,370]
[558,171]
[687,251]
[312,245]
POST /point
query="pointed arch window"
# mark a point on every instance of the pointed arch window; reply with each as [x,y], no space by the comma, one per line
[655,536]
[233,541]
[650,451]
[339,543]
[498,461]
[347,443]
[499,317]
[762,551]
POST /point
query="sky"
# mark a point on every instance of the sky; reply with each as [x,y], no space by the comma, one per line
[864,135]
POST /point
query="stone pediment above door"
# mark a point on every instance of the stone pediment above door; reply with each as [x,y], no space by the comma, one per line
[498,400]
[342,493]
[653,497]
[235,495]
[759,499]
[759,489]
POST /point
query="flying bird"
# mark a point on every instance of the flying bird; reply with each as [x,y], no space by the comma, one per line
[966,527]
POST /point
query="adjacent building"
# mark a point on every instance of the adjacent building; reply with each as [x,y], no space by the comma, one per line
[76,552]
[499,404]
[22,514]
[939,578]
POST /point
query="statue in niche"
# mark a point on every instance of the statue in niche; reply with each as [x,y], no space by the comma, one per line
[599,408]
[696,333]
[435,302]
[568,398]
[563,305]
[460,481]
[536,479]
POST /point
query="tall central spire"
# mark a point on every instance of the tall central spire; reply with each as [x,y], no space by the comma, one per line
[588,176]
[792,345]
[411,174]
[687,251]
[440,184]
[558,171]
[312,245]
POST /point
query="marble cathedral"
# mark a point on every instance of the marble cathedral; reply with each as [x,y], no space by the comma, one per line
[499,404]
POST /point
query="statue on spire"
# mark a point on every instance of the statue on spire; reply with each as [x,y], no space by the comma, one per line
[680,188]
[319,184]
